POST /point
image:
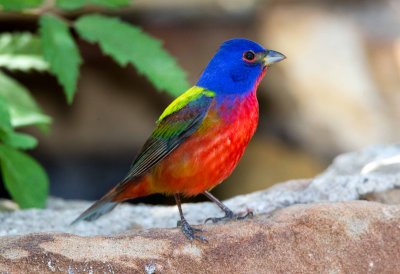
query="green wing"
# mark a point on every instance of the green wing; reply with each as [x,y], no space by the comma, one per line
[179,120]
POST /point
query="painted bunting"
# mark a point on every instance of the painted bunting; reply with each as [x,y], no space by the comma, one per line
[200,136]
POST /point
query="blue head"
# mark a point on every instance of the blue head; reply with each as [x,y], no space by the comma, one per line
[237,67]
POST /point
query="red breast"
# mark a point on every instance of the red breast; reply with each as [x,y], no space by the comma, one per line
[210,155]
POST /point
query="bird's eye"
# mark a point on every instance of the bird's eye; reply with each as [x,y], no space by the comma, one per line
[249,56]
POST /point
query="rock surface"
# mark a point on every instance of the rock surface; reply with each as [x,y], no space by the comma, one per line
[328,233]
[346,237]
[342,181]
[338,89]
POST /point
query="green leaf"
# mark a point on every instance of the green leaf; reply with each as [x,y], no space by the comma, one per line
[21,51]
[111,3]
[18,5]
[22,108]
[128,44]
[7,134]
[60,52]
[5,119]
[18,140]
[76,4]
[71,4]
[24,178]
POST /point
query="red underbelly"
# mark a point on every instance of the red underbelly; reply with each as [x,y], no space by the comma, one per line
[206,158]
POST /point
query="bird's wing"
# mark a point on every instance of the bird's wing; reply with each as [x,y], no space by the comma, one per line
[179,120]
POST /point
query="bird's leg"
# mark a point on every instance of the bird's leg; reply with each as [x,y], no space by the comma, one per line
[229,215]
[187,230]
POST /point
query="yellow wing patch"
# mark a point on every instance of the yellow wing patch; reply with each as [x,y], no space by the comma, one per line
[191,94]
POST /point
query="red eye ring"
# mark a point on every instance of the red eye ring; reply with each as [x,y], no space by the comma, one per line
[249,56]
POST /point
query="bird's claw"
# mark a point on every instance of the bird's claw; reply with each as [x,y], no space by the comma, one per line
[190,232]
[249,214]
[229,216]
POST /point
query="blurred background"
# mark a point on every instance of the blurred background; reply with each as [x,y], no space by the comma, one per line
[338,90]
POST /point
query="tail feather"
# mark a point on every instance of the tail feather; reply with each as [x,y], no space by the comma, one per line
[98,209]
[121,192]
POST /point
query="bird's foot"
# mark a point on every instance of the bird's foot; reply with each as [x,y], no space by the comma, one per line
[229,215]
[190,232]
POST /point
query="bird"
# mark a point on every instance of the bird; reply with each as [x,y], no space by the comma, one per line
[200,137]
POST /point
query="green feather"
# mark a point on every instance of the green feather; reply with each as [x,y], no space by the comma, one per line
[190,95]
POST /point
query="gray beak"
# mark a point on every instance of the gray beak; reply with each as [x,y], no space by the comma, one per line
[272,57]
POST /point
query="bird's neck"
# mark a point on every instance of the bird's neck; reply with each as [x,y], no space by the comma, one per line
[230,83]
[232,106]
[239,92]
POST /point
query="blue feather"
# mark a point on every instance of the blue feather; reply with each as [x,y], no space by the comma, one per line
[228,73]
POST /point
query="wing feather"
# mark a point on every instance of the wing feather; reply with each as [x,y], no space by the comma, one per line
[175,125]
[170,132]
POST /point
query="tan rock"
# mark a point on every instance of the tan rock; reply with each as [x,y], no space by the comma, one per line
[348,237]
[339,87]
[8,205]
[342,181]
[293,231]
[390,197]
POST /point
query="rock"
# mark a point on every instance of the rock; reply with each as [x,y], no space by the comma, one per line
[265,162]
[389,164]
[328,233]
[338,89]
[8,205]
[342,181]
[390,197]
[347,237]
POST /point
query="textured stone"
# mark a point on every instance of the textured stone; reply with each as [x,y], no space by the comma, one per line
[390,197]
[301,226]
[342,181]
[346,237]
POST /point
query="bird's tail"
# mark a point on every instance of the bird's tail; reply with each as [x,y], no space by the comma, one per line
[123,191]
[98,209]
